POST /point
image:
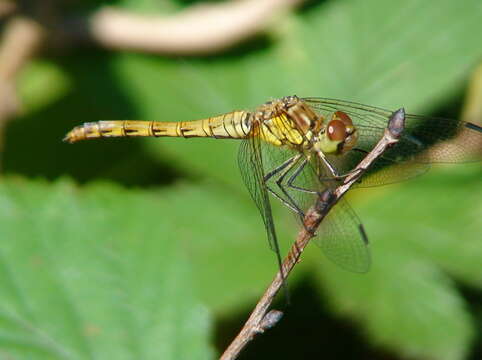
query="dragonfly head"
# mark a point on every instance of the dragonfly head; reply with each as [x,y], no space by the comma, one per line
[339,135]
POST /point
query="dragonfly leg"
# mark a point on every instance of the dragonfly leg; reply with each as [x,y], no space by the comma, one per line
[281,183]
[281,186]
[335,175]
[328,165]
[282,170]
[340,177]
[293,177]
[290,162]
[286,203]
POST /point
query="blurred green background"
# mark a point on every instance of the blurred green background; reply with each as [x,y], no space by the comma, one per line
[152,248]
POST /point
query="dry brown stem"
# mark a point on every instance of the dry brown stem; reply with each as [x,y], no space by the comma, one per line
[199,30]
[7,7]
[20,41]
[312,220]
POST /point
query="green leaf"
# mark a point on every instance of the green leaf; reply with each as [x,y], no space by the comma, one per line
[225,239]
[446,227]
[95,273]
[407,301]
[123,272]
[40,84]
[149,6]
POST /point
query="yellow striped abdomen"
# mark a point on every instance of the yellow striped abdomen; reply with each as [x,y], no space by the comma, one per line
[234,125]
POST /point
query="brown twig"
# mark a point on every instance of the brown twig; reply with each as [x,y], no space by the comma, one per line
[199,30]
[313,218]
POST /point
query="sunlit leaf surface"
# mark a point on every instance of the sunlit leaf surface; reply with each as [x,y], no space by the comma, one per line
[93,273]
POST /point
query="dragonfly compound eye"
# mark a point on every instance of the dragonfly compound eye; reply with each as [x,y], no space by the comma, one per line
[343,116]
[337,130]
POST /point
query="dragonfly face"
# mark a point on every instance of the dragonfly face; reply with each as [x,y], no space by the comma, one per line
[338,136]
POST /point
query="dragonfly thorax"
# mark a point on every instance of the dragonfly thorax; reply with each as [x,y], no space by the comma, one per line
[287,122]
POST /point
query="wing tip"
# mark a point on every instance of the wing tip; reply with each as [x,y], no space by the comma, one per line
[363,234]
[473,126]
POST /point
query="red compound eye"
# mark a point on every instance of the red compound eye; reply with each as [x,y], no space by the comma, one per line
[337,130]
[340,115]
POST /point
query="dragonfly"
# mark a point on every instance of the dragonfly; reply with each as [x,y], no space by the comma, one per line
[293,148]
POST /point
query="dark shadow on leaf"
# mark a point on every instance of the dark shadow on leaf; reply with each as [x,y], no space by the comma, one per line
[451,108]
[255,44]
[33,143]
[307,331]
[473,297]
[309,5]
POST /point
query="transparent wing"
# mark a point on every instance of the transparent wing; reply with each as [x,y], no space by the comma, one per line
[250,161]
[343,240]
[425,140]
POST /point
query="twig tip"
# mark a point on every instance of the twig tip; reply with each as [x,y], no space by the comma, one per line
[270,320]
[396,123]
